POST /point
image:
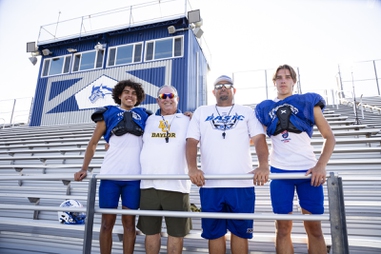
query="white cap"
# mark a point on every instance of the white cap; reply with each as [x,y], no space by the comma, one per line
[223,78]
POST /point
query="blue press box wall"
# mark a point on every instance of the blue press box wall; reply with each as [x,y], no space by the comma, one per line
[65,98]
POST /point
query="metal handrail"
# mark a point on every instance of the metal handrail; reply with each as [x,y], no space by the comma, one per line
[336,215]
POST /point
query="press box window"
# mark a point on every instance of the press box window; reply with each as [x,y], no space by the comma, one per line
[56,66]
[164,48]
[125,54]
[88,60]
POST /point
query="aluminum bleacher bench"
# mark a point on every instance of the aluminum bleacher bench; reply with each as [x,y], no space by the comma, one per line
[366,132]
[62,156]
[354,149]
[340,140]
[45,157]
[45,141]
[331,115]
[80,147]
[338,118]
[346,127]
[346,122]
[31,145]
[49,166]
[45,137]
[48,151]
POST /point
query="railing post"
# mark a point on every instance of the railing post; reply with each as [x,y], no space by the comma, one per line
[13,111]
[337,215]
[90,210]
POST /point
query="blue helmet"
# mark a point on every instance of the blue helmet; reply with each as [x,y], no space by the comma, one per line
[71,217]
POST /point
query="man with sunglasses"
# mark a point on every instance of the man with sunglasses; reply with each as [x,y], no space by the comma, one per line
[163,153]
[224,131]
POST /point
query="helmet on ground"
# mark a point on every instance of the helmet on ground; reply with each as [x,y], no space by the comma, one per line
[71,217]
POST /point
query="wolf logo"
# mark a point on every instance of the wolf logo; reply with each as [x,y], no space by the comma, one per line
[99,92]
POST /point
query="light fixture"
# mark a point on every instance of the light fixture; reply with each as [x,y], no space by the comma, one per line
[71,50]
[199,23]
[172,29]
[194,16]
[198,32]
[195,22]
[31,47]
[33,60]
[46,52]
[99,46]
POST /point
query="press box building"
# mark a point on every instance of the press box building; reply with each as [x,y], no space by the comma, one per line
[77,72]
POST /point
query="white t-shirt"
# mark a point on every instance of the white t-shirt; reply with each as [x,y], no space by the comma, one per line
[122,157]
[229,155]
[159,157]
[292,151]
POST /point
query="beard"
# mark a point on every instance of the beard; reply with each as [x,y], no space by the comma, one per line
[224,97]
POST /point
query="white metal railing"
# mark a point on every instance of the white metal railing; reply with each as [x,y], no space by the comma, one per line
[335,195]
[15,108]
[125,17]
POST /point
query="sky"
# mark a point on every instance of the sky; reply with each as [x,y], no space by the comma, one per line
[242,38]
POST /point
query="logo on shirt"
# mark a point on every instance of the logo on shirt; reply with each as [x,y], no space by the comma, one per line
[165,128]
[224,122]
[135,116]
[272,112]
[285,137]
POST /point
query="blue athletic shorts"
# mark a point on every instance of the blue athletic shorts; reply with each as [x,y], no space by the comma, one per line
[110,191]
[228,200]
[282,194]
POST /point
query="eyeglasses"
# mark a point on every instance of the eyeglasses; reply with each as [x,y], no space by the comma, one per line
[164,96]
[219,86]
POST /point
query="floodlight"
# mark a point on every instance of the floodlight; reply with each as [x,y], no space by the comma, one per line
[46,52]
[71,50]
[98,46]
[194,16]
[198,24]
[198,32]
[171,30]
[33,60]
[31,47]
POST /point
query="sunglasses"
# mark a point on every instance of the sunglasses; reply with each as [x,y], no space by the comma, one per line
[219,86]
[164,96]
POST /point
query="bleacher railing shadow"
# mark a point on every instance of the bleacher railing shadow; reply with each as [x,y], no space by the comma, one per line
[336,215]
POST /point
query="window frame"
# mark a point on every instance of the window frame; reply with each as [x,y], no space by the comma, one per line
[47,66]
[98,61]
[134,54]
[151,53]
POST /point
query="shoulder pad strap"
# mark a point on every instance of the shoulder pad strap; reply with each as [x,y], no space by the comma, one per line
[149,112]
[98,114]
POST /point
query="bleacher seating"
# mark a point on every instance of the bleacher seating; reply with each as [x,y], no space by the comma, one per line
[58,150]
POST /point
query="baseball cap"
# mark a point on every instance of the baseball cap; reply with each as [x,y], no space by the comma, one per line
[223,78]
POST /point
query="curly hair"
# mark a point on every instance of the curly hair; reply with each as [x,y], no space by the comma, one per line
[286,67]
[119,87]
